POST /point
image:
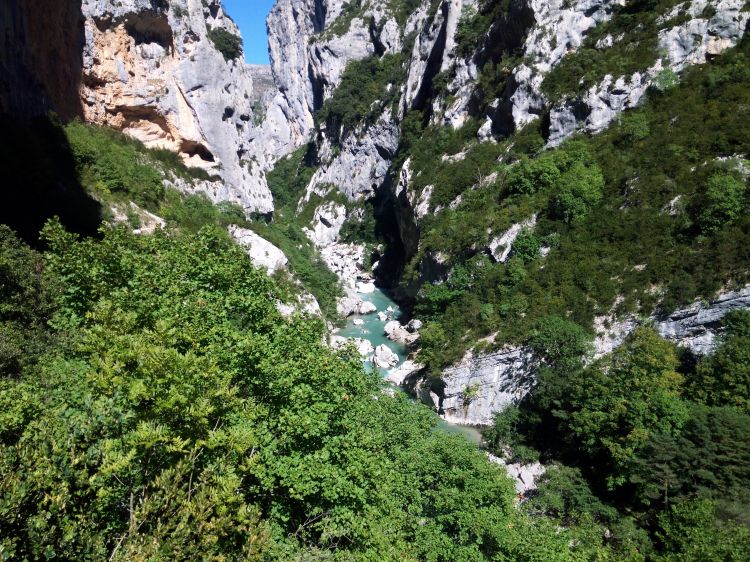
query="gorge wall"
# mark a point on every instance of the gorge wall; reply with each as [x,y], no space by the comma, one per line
[153,69]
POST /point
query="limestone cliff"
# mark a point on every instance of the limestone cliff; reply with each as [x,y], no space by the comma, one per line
[479,385]
[152,69]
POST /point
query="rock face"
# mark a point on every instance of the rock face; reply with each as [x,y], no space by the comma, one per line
[262,253]
[152,70]
[41,57]
[524,476]
[501,246]
[694,41]
[471,391]
[696,327]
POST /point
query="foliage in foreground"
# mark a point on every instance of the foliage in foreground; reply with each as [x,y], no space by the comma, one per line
[176,415]
[654,449]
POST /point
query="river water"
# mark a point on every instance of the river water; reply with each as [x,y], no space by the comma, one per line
[370,327]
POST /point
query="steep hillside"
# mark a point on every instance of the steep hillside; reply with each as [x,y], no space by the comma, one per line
[556,193]
[448,121]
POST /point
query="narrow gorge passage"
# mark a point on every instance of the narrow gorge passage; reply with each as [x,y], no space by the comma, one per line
[369,327]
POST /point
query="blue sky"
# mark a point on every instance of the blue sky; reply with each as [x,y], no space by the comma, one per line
[250,15]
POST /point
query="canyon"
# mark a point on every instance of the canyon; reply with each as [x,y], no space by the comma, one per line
[151,70]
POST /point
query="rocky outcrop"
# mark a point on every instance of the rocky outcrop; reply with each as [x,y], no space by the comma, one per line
[695,327]
[695,41]
[268,257]
[262,253]
[264,90]
[326,224]
[364,347]
[408,368]
[471,391]
[406,335]
[140,220]
[351,304]
[151,70]
[501,246]
[525,476]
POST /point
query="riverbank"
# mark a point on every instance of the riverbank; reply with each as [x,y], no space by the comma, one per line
[370,327]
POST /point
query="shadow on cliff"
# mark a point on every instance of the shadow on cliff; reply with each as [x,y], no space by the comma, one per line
[41,57]
[41,50]
[38,180]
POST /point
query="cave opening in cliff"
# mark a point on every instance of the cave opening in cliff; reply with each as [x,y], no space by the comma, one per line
[150,28]
[192,148]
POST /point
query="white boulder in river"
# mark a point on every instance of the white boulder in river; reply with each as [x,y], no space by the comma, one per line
[347,306]
[394,331]
[364,347]
[384,357]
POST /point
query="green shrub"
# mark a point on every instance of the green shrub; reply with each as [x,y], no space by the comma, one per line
[108,163]
[580,188]
[228,44]
[530,176]
[526,246]
[725,199]
[27,302]
[288,180]
[362,94]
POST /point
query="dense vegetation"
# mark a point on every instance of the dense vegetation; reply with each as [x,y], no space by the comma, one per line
[173,414]
[647,452]
[227,43]
[118,170]
[368,86]
[648,215]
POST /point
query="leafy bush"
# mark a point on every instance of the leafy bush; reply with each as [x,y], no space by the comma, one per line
[185,397]
[526,246]
[691,532]
[108,164]
[623,209]
[228,44]
[27,303]
[530,176]
[724,377]
[580,188]
[725,199]
[288,180]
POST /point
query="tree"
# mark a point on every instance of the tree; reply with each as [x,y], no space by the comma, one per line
[526,246]
[579,189]
[530,176]
[618,404]
[227,43]
[724,377]
[724,200]
[690,532]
